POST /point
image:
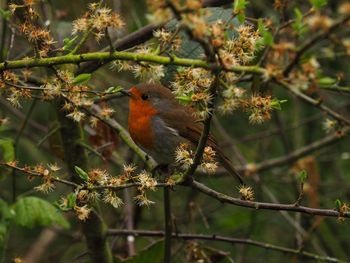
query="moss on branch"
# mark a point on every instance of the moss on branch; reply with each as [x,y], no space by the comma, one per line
[107,56]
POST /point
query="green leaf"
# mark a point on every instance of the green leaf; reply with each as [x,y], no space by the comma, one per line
[267,36]
[317,4]
[82,174]
[3,239]
[185,98]
[302,176]
[180,69]
[241,18]
[152,254]
[298,25]
[5,14]
[338,204]
[177,177]
[238,8]
[71,200]
[33,211]
[298,15]
[6,215]
[82,79]
[69,205]
[115,89]
[69,42]
[326,82]
[239,5]
[7,150]
[5,211]
[276,103]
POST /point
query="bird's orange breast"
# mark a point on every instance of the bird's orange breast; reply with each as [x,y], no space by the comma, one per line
[140,122]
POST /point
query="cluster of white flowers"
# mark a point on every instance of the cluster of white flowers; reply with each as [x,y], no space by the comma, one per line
[97,20]
[184,158]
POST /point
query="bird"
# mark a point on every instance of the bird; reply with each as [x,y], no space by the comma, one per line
[158,124]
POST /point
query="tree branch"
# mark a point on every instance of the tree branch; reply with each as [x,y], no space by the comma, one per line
[225,239]
[266,206]
[136,57]
[141,36]
[313,102]
[75,185]
[32,173]
[310,42]
[297,154]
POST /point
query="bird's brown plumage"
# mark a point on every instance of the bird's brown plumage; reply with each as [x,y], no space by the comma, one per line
[179,117]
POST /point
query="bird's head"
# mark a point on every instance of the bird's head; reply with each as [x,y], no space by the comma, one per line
[145,97]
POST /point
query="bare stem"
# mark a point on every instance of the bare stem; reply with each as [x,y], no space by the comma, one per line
[267,206]
[225,239]
[168,225]
[310,42]
[313,102]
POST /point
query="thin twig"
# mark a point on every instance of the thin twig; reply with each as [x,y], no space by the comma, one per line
[167,225]
[11,43]
[301,194]
[297,154]
[310,42]
[129,221]
[21,116]
[277,31]
[206,190]
[313,102]
[266,206]
[92,150]
[211,58]
[80,186]
[214,237]
[48,135]
[32,173]
[109,40]
[85,35]
[35,88]
[123,134]
[337,89]
[170,41]
[135,38]
[15,145]
[141,36]
[3,35]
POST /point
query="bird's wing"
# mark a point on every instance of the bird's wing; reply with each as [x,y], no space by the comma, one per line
[226,163]
[184,121]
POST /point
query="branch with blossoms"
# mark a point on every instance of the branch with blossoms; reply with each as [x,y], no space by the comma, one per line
[147,58]
[122,55]
[95,182]
[99,180]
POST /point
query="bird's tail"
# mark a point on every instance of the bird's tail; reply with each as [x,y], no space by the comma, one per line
[228,166]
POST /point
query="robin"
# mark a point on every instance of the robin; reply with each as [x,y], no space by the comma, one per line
[158,124]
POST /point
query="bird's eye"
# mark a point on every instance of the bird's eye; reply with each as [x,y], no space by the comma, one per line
[144,96]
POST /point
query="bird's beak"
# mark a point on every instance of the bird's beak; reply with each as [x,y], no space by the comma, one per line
[126,93]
